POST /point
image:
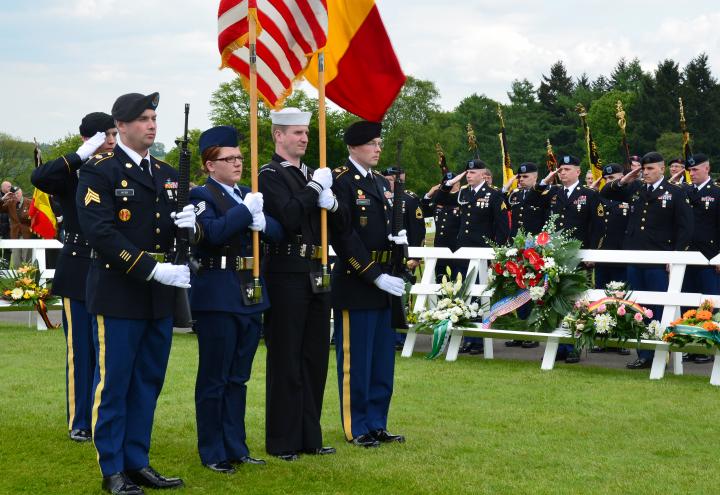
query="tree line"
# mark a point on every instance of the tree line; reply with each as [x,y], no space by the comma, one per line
[535,113]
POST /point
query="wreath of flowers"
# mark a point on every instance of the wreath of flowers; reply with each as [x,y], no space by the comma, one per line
[696,326]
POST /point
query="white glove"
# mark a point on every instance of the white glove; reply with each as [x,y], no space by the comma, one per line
[390,284]
[323,176]
[400,239]
[327,200]
[186,218]
[254,202]
[89,147]
[169,274]
[258,222]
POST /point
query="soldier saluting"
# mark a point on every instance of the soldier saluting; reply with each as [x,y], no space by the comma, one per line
[126,202]
[60,178]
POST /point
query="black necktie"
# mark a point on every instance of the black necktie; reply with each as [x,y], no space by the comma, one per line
[237,193]
[567,192]
[145,165]
[649,188]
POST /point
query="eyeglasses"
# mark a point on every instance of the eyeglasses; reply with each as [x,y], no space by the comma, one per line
[229,159]
[375,144]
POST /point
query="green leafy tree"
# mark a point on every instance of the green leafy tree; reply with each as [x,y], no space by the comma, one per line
[604,125]
[669,145]
[16,162]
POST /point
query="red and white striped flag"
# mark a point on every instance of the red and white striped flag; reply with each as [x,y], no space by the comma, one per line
[289,33]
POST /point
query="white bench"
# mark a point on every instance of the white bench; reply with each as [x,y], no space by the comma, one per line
[478,258]
[38,247]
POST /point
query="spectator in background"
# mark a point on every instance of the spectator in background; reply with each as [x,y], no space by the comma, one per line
[5,224]
[17,206]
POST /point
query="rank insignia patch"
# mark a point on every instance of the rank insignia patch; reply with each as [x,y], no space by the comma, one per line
[91,196]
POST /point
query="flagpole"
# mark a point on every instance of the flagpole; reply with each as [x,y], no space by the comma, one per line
[252,20]
[322,130]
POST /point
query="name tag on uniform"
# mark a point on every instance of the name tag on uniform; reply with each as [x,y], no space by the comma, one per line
[124,192]
[362,202]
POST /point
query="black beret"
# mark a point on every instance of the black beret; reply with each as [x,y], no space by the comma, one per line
[222,135]
[449,175]
[526,168]
[652,157]
[362,132]
[569,160]
[393,171]
[95,122]
[696,159]
[677,159]
[612,168]
[475,164]
[129,107]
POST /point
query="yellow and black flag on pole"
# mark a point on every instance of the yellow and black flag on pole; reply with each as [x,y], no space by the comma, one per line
[507,169]
[592,152]
[687,151]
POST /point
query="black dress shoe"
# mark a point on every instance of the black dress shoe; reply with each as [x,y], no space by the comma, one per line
[572,358]
[513,343]
[321,451]
[288,456]
[703,358]
[249,460]
[687,357]
[221,467]
[639,364]
[475,349]
[80,435]
[529,344]
[385,436]
[147,476]
[118,484]
[366,440]
[465,349]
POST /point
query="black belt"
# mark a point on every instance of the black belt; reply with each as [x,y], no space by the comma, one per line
[159,257]
[291,249]
[75,239]
[234,263]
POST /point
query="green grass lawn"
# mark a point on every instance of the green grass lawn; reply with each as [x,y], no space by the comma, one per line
[473,426]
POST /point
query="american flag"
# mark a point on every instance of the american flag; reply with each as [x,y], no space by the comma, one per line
[289,32]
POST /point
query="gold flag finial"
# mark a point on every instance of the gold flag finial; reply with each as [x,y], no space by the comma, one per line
[439,151]
[682,111]
[620,114]
[472,141]
[500,115]
[548,146]
[580,109]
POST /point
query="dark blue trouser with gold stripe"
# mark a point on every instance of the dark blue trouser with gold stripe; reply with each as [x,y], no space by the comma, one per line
[365,349]
[132,357]
[226,348]
[79,364]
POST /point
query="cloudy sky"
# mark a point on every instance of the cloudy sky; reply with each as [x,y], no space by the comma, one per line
[63,59]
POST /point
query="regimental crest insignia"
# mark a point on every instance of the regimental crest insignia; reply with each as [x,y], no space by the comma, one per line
[91,197]
[124,215]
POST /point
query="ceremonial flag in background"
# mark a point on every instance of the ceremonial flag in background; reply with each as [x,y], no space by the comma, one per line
[289,32]
[362,73]
[42,218]
[507,169]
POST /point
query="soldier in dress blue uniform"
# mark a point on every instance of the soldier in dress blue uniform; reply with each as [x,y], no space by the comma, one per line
[60,179]
[441,203]
[527,216]
[362,287]
[227,324]
[660,220]
[297,327]
[579,211]
[126,203]
[704,196]
[483,218]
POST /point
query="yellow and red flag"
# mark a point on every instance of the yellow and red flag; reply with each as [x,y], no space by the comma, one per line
[42,218]
[289,32]
[362,72]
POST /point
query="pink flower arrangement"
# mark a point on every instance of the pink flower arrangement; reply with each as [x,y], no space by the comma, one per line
[601,309]
[648,313]
[621,311]
[638,317]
